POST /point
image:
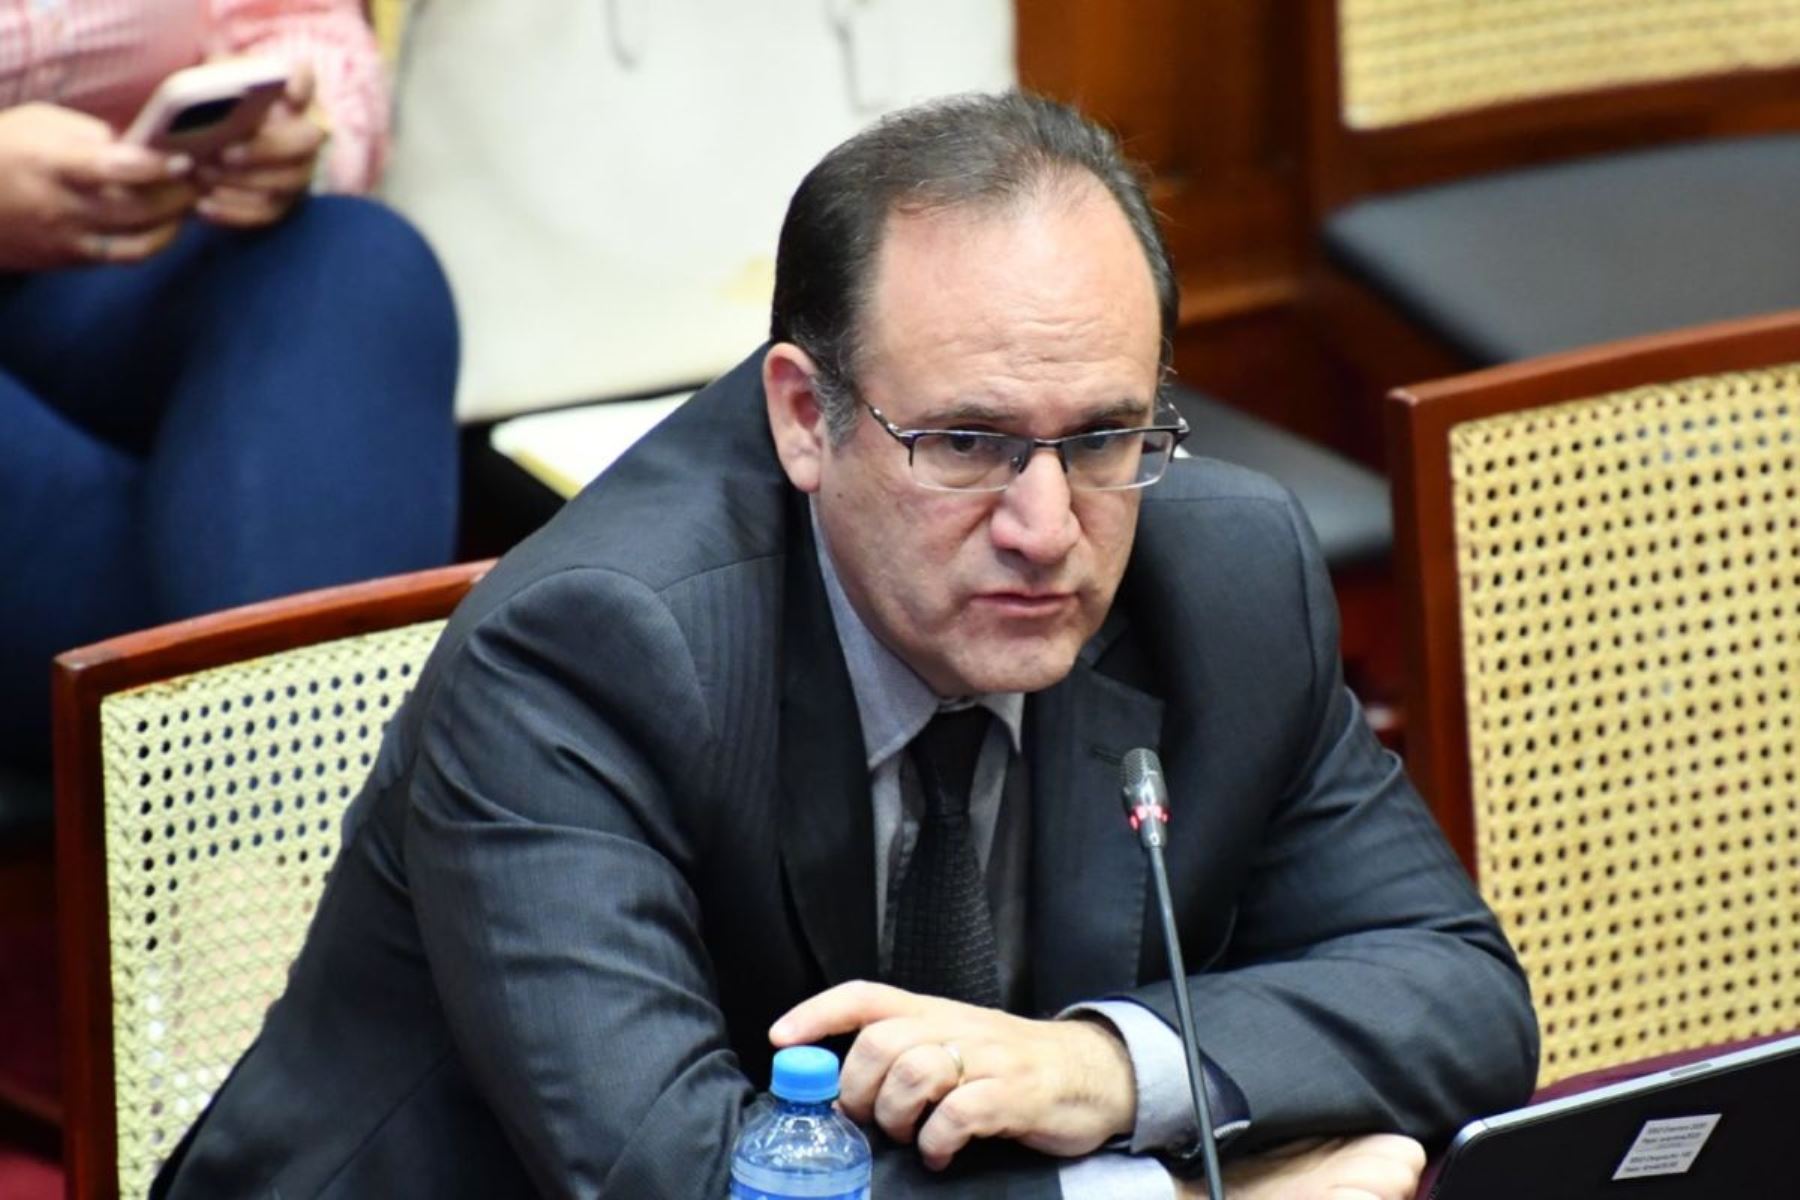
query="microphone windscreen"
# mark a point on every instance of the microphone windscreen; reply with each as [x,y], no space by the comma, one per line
[1139,765]
[1141,780]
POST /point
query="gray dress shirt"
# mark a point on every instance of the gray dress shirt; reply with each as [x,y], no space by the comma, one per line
[894,705]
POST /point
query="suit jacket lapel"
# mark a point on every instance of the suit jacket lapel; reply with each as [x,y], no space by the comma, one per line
[827,829]
[1089,879]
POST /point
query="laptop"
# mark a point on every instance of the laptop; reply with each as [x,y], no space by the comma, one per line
[1724,1128]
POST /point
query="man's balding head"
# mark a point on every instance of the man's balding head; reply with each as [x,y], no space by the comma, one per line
[983,153]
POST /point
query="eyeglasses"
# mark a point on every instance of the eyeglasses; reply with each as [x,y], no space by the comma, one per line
[1100,460]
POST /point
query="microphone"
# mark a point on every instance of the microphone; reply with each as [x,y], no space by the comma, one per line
[1146,798]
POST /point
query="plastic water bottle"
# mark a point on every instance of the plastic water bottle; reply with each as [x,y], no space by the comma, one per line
[797,1145]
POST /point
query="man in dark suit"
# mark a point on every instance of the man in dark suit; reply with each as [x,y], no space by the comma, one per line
[671,787]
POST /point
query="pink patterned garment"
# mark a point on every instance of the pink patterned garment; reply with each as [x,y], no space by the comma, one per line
[106,56]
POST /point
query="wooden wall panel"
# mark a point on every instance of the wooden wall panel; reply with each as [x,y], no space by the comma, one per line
[1211,96]
[1112,60]
[1207,94]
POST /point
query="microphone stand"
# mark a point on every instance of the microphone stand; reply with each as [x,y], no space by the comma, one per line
[1150,831]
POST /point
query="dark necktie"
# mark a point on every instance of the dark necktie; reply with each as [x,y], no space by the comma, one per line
[943,931]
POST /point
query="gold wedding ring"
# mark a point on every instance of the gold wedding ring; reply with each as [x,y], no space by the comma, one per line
[955,1057]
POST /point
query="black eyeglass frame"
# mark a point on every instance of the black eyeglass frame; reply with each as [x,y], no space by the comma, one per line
[910,438]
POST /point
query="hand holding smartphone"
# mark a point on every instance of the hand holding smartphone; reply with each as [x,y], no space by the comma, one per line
[200,110]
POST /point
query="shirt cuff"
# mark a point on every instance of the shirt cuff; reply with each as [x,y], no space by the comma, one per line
[1165,1110]
[1107,1176]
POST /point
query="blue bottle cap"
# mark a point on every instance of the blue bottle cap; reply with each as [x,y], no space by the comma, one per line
[805,1074]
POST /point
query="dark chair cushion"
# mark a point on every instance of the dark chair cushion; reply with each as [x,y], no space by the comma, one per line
[1520,263]
[1346,503]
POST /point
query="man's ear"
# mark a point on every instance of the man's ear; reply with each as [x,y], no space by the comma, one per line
[796,421]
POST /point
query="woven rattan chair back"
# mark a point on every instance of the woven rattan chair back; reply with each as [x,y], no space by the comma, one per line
[1411,60]
[1603,557]
[226,750]
[1403,93]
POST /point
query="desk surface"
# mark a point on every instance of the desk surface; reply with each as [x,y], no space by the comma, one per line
[565,448]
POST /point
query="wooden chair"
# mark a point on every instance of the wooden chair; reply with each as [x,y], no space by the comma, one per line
[202,769]
[1599,555]
[1502,180]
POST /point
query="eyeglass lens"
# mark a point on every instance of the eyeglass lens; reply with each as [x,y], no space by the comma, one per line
[1106,459]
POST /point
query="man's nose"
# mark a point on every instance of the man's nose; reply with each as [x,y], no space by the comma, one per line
[1035,517]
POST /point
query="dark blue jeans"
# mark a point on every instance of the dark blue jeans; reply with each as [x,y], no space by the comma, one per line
[242,416]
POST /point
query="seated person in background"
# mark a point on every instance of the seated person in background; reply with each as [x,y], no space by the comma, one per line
[669,792]
[212,390]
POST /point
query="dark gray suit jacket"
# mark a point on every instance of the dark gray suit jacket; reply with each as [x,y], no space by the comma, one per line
[623,823]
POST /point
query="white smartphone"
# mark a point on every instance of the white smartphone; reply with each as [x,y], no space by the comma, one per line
[200,110]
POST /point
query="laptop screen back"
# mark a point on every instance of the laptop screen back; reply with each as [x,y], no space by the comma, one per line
[1723,1127]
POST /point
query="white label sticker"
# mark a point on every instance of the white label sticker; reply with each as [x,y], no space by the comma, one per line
[1667,1147]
